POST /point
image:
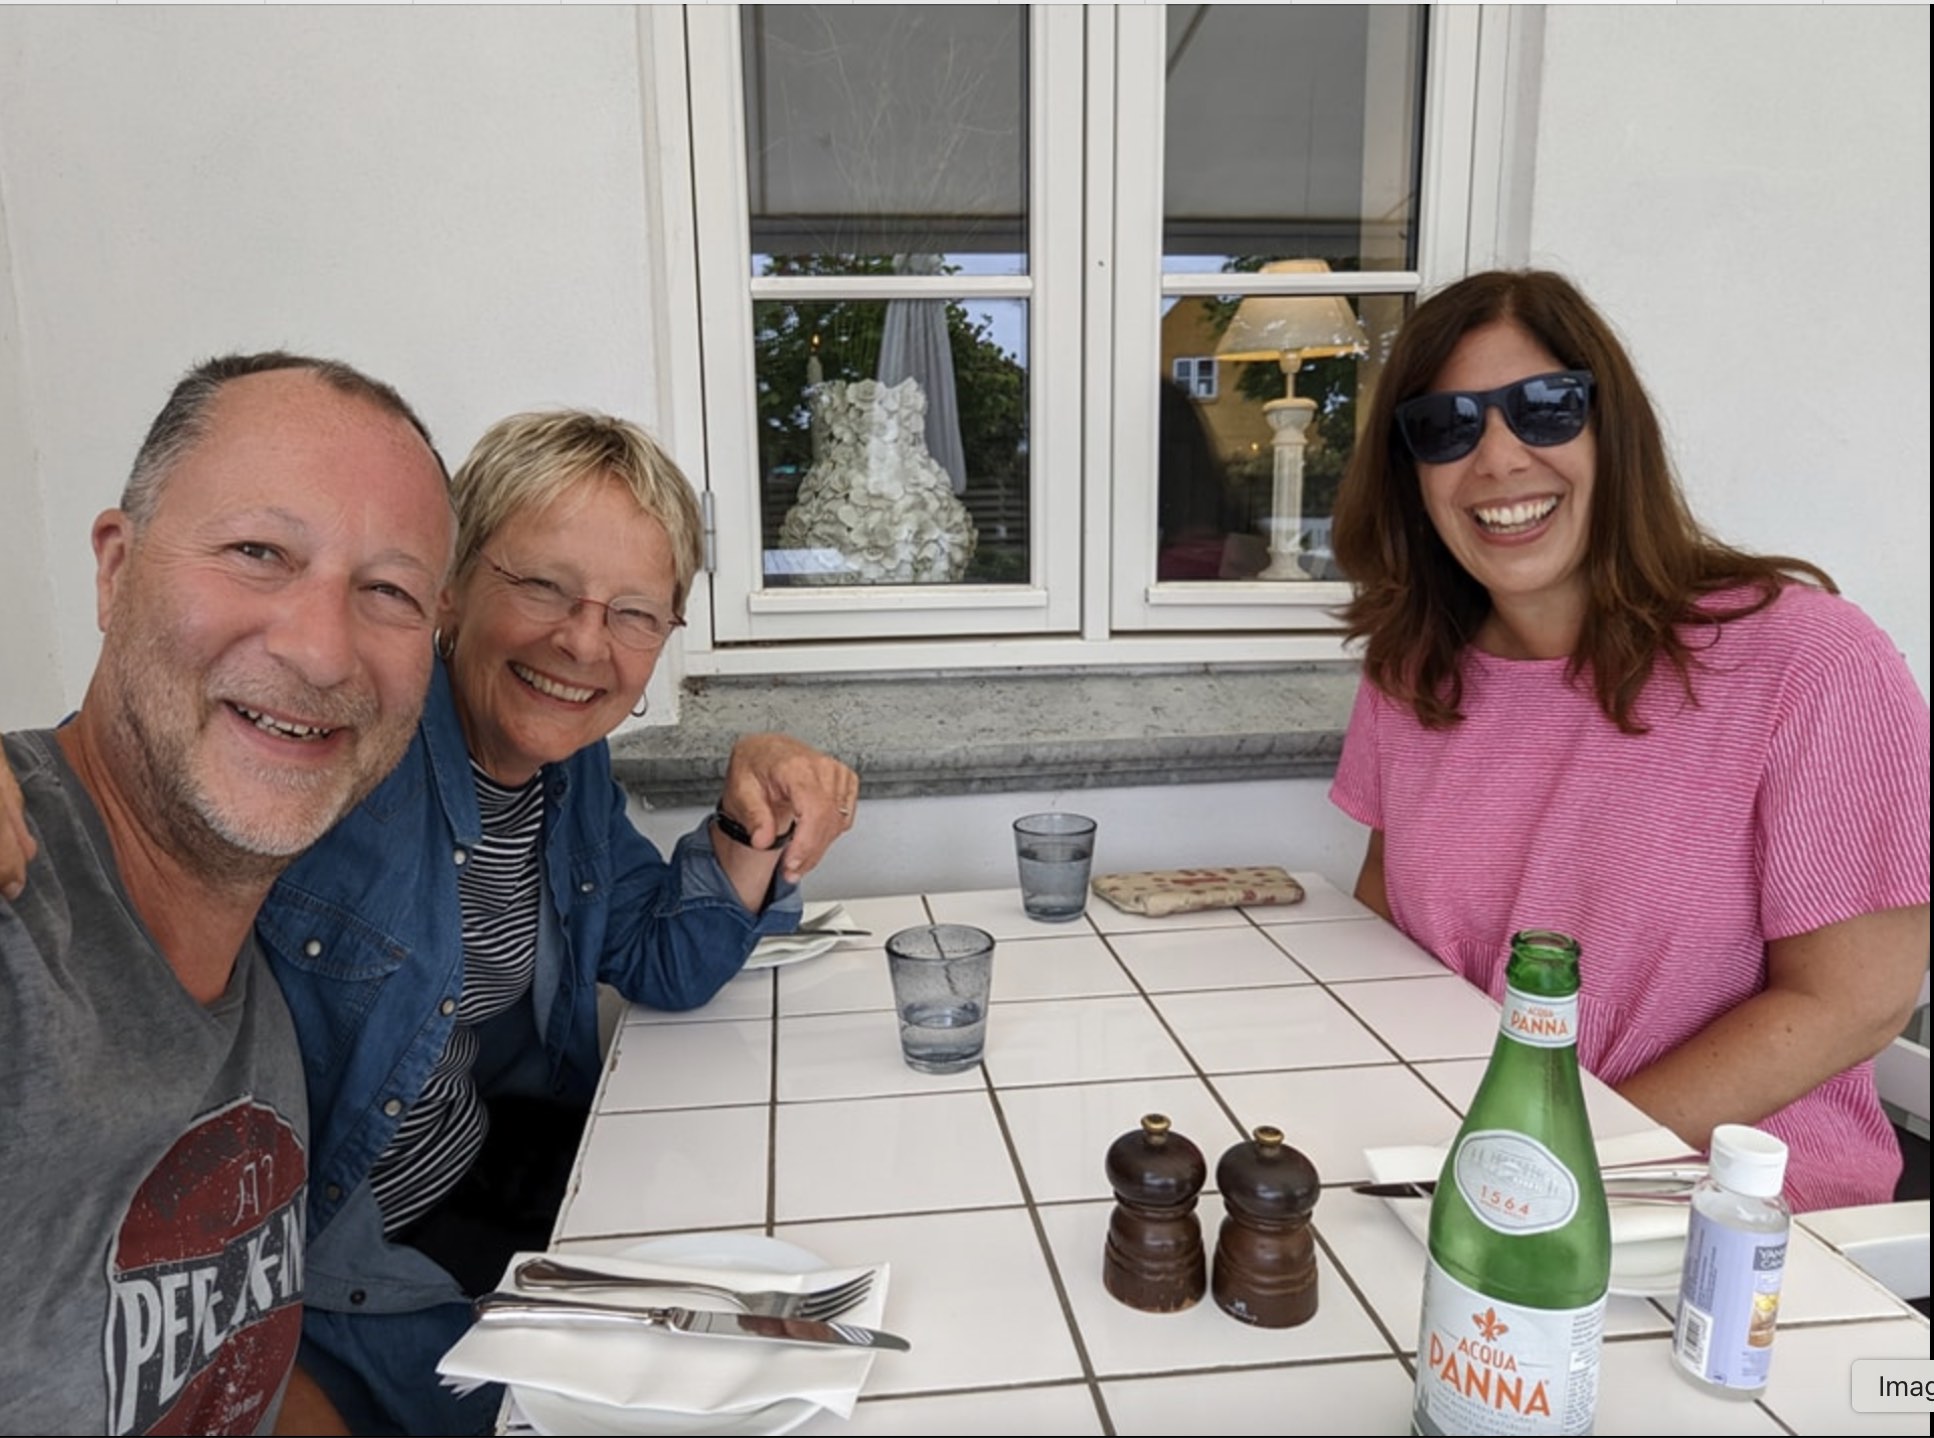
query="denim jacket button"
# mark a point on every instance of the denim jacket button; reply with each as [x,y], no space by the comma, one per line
[313,948]
[459,857]
[393,1107]
[358,1297]
[332,1191]
[589,886]
[447,1007]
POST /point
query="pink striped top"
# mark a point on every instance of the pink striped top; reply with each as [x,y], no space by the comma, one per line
[1793,795]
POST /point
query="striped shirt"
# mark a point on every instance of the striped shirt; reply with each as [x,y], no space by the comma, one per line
[499,891]
[1793,795]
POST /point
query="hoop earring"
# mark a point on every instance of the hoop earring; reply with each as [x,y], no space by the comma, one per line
[644,707]
[446,644]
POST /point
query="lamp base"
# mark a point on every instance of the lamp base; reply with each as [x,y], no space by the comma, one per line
[1289,418]
[1285,540]
[1284,566]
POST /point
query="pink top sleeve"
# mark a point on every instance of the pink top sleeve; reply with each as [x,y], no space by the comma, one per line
[1357,788]
[1842,804]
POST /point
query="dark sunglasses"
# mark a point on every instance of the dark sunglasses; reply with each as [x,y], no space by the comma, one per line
[1544,410]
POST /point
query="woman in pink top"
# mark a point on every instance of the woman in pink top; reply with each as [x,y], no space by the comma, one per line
[1580,711]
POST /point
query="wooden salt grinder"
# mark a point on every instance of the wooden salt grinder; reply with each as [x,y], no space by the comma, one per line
[1154,1258]
[1265,1255]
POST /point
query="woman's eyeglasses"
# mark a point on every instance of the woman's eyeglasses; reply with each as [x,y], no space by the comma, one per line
[1544,410]
[634,621]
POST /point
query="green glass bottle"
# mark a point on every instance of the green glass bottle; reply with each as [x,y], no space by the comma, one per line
[1520,1240]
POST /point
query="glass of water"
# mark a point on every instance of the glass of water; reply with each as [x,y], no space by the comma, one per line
[1055,852]
[941,977]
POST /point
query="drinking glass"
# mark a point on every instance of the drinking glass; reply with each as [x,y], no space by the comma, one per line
[1055,852]
[941,977]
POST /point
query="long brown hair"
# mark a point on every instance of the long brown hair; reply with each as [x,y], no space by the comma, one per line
[1648,562]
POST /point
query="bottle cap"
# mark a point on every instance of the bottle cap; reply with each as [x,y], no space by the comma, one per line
[1748,1161]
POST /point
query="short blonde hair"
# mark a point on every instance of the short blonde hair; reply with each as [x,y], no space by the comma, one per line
[530,461]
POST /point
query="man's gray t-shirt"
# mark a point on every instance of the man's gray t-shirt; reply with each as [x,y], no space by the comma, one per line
[153,1156]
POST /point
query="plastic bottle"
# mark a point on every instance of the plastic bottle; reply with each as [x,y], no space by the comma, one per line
[1520,1238]
[1729,1292]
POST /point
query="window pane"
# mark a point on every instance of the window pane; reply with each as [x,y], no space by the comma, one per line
[893,441]
[882,130]
[1291,133]
[1248,473]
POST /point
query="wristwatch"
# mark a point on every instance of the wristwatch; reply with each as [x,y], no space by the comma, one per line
[739,834]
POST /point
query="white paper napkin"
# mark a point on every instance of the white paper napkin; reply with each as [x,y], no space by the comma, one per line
[672,1372]
[793,948]
[1632,1223]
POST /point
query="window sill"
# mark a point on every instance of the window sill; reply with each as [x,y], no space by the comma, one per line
[1001,731]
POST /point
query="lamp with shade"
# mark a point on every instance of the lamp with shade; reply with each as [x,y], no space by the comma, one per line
[1290,329]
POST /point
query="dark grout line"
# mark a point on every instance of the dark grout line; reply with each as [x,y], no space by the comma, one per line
[1363,1300]
[772,1113]
[1047,1256]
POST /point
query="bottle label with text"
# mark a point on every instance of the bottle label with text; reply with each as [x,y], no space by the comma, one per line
[1729,1303]
[1489,1367]
[1542,1022]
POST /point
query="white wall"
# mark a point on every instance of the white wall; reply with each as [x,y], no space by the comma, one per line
[449,197]
[454,198]
[1744,189]
[31,691]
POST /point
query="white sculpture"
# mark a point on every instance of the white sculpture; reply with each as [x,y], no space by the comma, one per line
[874,495]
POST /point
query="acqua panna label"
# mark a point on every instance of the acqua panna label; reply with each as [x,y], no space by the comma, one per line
[1540,1021]
[1485,1366]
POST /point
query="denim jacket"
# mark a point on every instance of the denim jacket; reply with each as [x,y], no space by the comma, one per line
[365,934]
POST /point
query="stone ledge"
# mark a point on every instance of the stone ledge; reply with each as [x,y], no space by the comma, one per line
[1000,731]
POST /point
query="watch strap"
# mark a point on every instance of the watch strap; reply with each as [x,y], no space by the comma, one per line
[739,834]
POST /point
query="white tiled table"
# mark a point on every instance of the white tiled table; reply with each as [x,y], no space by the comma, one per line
[783,1108]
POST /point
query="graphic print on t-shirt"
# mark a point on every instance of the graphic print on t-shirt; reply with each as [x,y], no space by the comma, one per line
[205,1279]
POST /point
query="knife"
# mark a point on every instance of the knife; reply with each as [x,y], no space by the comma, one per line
[1647,1190]
[571,1312]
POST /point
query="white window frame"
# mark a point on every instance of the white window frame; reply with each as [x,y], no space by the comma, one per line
[1050,601]
[1094,255]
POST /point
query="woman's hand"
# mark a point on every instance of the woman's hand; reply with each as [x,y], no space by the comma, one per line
[17,847]
[773,781]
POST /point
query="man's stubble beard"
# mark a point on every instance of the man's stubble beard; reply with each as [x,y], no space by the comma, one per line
[234,847]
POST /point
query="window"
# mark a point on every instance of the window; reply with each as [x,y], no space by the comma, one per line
[954,266]
[1195,376]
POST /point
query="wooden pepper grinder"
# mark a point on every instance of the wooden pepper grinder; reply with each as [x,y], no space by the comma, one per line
[1265,1255]
[1154,1259]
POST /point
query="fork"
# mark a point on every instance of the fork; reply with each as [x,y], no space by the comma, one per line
[821,1304]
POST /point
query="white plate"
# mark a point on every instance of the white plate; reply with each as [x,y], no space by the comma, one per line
[1649,1269]
[551,1412]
